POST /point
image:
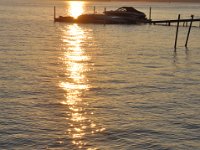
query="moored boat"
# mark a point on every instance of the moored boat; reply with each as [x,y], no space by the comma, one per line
[123,15]
[129,13]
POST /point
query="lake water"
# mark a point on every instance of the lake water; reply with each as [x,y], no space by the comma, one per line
[108,87]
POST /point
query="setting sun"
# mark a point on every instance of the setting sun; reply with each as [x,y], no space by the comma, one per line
[75,8]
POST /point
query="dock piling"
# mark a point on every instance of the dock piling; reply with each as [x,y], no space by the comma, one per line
[54,13]
[150,13]
[192,16]
[176,32]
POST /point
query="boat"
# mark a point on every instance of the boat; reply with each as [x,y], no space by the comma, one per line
[130,13]
[68,19]
[123,15]
[101,19]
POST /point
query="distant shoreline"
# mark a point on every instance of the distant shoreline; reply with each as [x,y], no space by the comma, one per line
[183,1]
[187,1]
[165,1]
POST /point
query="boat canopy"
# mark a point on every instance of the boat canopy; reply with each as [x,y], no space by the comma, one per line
[126,12]
[129,9]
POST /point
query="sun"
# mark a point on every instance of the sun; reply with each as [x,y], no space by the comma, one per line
[75,8]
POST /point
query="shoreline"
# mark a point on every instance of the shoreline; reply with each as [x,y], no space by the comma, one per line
[149,1]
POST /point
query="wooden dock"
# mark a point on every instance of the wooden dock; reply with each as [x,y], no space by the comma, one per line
[112,19]
[168,22]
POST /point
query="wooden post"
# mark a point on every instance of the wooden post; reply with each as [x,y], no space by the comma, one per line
[150,14]
[54,13]
[176,33]
[192,16]
[104,17]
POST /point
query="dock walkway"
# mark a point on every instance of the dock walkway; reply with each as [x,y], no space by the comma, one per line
[168,22]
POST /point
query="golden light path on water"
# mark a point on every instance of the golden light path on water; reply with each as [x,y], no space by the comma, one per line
[75,85]
[75,8]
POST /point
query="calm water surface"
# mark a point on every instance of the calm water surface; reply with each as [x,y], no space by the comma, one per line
[70,86]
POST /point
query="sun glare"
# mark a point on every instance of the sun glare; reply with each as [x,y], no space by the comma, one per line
[75,8]
[76,84]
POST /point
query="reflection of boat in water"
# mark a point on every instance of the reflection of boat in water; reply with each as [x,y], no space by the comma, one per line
[123,15]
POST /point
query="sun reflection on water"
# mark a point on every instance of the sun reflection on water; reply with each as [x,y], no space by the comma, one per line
[76,84]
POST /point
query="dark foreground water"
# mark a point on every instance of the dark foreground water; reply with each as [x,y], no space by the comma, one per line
[69,86]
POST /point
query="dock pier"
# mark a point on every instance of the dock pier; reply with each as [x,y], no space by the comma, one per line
[177,27]
[168,22]
[177,23]
[104,18]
